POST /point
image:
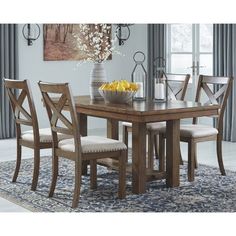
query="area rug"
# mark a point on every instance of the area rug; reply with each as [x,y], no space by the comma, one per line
[210,192]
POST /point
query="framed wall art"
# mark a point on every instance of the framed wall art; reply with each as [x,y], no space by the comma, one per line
[76,41]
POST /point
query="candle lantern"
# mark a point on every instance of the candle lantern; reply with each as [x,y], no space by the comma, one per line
[139,76]
[160,80]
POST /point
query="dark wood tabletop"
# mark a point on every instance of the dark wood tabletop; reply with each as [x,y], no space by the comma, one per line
[144,111]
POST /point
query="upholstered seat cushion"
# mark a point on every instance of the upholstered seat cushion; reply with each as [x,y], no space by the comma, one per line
[45,135]
[156,126]
[150,126]
[194,131]
[128,124]
[197,131]
[92,144]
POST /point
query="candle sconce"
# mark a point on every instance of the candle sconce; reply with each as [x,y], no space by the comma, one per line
[31,32]
[160,80]
[123,33]
[139,75]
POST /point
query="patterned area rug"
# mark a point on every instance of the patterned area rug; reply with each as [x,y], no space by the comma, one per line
[210,192]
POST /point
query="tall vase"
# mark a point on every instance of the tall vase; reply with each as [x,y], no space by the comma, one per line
[97,78]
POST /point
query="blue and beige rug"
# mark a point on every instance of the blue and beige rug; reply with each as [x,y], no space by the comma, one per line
[210,192]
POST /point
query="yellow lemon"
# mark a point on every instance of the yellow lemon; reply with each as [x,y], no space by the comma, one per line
[133,86]
[103,86]
[120,87]
[125,83]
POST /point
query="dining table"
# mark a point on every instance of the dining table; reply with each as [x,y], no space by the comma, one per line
[139,113]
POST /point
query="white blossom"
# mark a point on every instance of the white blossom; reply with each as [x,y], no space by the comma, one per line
[95,42]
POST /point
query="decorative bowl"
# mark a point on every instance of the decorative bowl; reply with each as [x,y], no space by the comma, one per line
[117,96]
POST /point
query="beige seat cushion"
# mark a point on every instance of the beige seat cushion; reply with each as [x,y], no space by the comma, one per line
[128,124]
[91,144]
[197,131]
[150,126]
[156,126]
[45,135]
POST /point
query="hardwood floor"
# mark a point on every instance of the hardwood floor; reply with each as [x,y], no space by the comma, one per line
[206,155]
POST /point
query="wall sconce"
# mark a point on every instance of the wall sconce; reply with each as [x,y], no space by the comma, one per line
[123,33]
[31,32]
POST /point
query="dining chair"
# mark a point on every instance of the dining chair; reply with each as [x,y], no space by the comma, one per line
[24,111]
[217,90]
[177,87]
[77,148]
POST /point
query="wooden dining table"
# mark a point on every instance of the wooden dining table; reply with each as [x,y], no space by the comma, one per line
[139,113]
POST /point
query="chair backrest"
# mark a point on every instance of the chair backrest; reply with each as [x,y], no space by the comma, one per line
[217,90]
[22,104]
[59,121]
[177,86]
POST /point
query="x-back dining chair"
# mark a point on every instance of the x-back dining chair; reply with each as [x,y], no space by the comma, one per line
[78,149]
[195,133]
[23,107]
[177,87]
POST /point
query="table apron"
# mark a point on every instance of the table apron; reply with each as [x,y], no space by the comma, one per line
[147,118]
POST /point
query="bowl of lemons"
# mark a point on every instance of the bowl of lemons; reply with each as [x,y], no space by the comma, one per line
[118,91]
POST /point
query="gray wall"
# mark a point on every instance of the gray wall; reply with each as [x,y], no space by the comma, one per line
[33,67]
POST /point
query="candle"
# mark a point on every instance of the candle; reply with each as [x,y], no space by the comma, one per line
[159,91]
[139,93]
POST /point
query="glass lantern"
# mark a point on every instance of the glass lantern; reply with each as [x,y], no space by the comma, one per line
[160,81]
[160,89]
[139,76]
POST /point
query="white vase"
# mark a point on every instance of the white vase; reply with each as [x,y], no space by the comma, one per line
[97,78]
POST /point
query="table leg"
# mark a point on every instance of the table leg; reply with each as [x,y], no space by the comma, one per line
[82,118]
[113,129]
[138,157]
[172,153]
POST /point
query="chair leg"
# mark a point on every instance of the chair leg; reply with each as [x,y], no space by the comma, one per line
[78,177]
[150,150]
[180,157]
[85,167]
[93,174]
[36,168]
[191,150]
[161,152]
[219,154]
[125,137]
[18,162]
[195,157]
[156,140]
[54,175]
[122,174]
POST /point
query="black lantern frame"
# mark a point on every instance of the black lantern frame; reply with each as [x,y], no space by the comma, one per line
[140,63]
